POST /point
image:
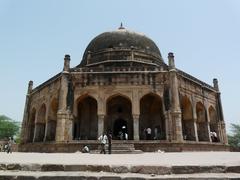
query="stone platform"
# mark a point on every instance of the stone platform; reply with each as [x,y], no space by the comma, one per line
[145,146]
[185,165]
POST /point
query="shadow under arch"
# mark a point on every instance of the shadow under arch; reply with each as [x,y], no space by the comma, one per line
[202,124]
[40,124]
[119,118]
[213,124]
[85,126]
[187,119]
[152,116]
[52,120]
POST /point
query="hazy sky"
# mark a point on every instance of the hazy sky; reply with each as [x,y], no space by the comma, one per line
[34,36]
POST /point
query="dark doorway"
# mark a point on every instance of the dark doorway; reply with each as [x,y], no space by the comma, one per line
[120,126]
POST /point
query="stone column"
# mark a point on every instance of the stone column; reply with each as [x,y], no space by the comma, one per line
[135,126]
[100,124]
[168,125]
[208,126]
[195,120]
[220,112]
[64,115]
[25,124]
[175,104]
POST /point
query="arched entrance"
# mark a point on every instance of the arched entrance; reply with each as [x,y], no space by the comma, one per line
[187,119]
[40,125]
[202,125]
[52,121]
[213,124]
[119,128]
[85,126]
[151,116]
[119,116]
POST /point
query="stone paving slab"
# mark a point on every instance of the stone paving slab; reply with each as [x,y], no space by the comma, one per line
[59,175]
[159,159]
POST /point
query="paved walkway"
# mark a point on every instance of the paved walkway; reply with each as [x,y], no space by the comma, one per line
[163,159]
[72,166]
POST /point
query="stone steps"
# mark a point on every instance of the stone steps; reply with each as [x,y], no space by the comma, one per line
[120,148]
[79,175]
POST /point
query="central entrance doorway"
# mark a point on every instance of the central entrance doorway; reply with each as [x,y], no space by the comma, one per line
[119,117]
[120,129]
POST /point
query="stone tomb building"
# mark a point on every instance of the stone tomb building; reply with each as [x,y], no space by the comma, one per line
[123,80]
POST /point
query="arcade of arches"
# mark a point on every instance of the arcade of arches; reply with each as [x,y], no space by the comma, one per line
[197,122]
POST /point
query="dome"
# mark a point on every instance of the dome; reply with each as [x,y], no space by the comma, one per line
[117,45]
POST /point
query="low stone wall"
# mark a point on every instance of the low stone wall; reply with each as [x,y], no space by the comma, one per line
[145,146]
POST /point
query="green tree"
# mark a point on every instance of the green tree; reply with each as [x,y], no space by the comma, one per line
[234,139]
[8,127]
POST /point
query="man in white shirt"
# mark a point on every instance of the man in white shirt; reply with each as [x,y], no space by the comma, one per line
[103,140]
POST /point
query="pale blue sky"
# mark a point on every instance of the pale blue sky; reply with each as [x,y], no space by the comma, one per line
[35,35]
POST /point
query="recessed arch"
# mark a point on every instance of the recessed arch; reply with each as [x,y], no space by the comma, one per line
[151,116]
[85,125]
[32,124]
[187,119]
[40,124]
[202,124]
[52,120]
[119,116]
[213,124]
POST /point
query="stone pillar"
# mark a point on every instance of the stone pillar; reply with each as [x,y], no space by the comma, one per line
[195,130]
[195,121]
[175,104]
[224,134]
[208,126]
[220,112]
[64,115]
[168,125]
[25,124]
[135,126]
[100,124]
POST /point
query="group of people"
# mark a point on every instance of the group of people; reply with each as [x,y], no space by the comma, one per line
[106,139]
[149,135]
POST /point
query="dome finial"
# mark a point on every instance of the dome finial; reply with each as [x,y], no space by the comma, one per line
[121,26]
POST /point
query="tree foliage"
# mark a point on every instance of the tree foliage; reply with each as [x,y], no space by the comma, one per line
[234,139]
[8,127]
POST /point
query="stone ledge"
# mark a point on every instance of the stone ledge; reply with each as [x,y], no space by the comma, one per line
[137,169]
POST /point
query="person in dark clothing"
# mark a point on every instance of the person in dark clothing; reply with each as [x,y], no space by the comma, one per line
[109,136]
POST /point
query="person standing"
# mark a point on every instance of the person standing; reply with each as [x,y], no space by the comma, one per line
[149,133]
[109,137]
[9,145]
[103,141]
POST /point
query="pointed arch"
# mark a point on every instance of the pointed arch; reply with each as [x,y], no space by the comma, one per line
[202,124]
[40,124]
[85,125]
[119,114]
[52,120]
[151,116]
[213,124]
[187,119]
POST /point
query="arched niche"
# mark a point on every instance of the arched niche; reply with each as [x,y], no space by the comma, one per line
[40,124]
[119,116]
[151,116]
[85,125]
[52,120]
[187,119]
[202,125]
[213,124]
